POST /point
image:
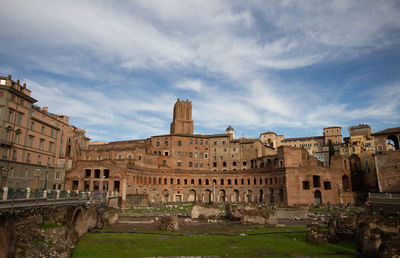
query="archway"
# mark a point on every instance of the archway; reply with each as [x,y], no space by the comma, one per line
[236,196]
[221,195]
[78,221]
[261,196]
[207,196]
[345,183]
[317,198]
[271,196]
[269,163]
[281,195]
[165,195]
[249,196]
[192,196]
[392,142]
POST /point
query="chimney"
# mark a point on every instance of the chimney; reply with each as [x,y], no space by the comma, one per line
[9,76]
[45,109]
[24,85]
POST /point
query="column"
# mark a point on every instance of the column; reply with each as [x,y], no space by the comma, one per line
[5,193]
[28,193]
[123,194]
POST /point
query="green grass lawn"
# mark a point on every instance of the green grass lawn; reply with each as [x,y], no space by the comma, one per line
[287,242]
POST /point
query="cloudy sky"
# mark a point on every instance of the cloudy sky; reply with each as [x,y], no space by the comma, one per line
[117,67]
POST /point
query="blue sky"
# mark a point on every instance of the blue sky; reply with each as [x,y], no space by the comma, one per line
[292,67]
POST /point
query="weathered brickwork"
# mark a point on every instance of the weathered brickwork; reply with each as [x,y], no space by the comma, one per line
[187,167]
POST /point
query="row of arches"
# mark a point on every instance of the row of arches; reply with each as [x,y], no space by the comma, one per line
[147,180]
[270,195]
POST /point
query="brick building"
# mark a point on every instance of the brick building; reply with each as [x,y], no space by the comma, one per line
[36,146]
[185,167]
[387,159]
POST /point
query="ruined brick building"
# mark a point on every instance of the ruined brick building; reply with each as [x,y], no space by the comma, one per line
[183,167]
[387,159]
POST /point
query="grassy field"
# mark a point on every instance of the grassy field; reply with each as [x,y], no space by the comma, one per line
[255,243]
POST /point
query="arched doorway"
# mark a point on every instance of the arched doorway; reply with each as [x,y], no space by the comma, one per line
[317,198]
[271,196]
[392,142]
[192,196]
[207,196]
[249,196]
[221,196]
[236,195]
[281,195]
[261,196]
[345,183]
[164,196]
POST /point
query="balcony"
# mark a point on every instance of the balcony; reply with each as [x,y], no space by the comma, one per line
[6,143]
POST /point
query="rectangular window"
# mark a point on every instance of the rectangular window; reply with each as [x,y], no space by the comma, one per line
[14,155]
[41,144]
[10,115]
[179,143]
[179,164]
[39,160]
[190,154]
[316,181]
[43,130]
[190,164]
[306,185]
[195,154]
[28,158]
[215,164]
[97,173]
[191,141]
[195,141]
[201,164]
[19,118]
[51,146]
[106,173]
[166,143]
[32,125]
[88,172]
[51,133]
[157,144]
[205,155]
[201,142]
[179,153]
[30,140]
[327,185]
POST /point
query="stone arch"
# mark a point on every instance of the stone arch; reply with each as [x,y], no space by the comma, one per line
[222,195]
[345,183]
[236,196]
[249,196]
[207,196]
[78,221]
[356,172]
[271,196]
[276,162]
[269,163]
[192,196]
[281,195]
[164,196]
[393,140]
[317,198]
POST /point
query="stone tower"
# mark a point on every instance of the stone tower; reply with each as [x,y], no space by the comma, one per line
[229,130]
[182,121]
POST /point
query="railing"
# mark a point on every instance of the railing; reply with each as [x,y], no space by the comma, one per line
[26,197]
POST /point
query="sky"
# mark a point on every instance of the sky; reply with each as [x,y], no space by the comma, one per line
[116,68]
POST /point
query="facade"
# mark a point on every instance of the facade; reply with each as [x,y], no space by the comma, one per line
[360,148]
[186,167]
[387,159]
[36,145]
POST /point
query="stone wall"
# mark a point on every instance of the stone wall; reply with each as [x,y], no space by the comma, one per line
[45,231]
